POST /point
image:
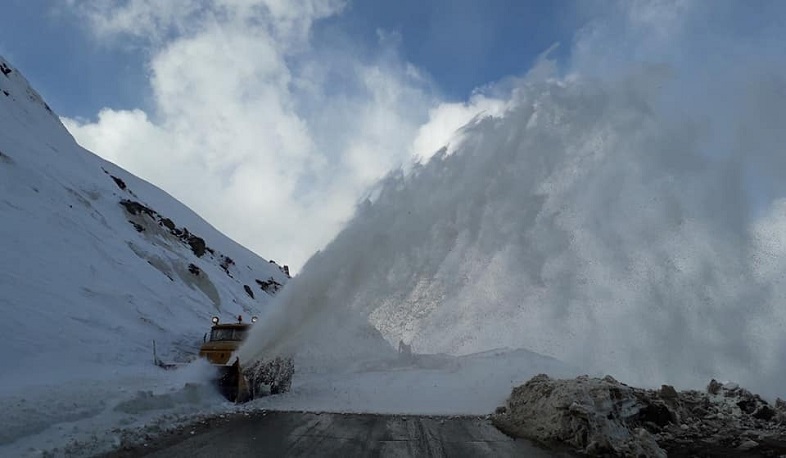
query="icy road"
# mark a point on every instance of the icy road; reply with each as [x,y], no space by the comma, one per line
[296,434]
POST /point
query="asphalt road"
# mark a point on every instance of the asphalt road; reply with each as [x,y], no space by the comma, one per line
[297,434]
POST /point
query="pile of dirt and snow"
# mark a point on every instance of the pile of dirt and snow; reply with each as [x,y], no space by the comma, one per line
[603,417]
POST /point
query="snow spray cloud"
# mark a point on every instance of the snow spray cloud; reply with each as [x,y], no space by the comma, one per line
[617,216]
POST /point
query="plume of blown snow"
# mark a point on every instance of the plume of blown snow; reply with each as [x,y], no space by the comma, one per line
[626,221]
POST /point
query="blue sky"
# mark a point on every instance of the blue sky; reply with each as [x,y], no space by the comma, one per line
[461,44]
[76,74]
[464,44]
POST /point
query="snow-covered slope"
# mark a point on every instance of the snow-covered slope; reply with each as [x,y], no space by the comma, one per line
[97,263]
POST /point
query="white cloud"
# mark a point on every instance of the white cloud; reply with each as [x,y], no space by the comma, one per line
[270,137]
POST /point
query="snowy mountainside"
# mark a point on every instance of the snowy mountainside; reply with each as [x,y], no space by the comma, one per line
[98,263]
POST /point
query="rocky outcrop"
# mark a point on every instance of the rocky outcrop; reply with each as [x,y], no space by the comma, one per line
[248,291]
[603,417]
[284,269]
[226,263]
[134,208]
[142,217]
[119,182]
[270,286]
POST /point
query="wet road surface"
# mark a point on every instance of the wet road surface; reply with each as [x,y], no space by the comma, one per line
[298,434]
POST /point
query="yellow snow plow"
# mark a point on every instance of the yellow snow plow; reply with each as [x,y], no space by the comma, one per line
[239,383]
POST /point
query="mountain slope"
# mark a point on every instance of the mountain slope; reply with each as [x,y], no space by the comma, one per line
[96,262]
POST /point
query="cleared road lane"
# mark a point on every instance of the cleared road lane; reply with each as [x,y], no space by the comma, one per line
[297,434]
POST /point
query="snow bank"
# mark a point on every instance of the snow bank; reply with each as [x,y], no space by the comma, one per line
[92,415]
[594,416]
[603,417]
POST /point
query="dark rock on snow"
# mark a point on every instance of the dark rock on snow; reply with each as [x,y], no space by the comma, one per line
[120,183]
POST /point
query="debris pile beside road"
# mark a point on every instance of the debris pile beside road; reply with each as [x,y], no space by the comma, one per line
[605,417]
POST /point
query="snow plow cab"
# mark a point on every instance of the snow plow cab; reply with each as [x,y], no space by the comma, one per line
[237,383]
[224,339]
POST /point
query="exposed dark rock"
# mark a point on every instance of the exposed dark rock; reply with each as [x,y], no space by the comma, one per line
[135,208]
[197,245]
[226,261]
[248,291]
[5,69]
[120,183]
[138,227]
[284,269]
[764,413]
[747,405]
[714,387]
[270,286]
[168,223]
[194,269]
[6,93]
[668,392]
[656,413]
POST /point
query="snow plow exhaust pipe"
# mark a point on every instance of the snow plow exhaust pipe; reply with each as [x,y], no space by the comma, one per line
[262,378]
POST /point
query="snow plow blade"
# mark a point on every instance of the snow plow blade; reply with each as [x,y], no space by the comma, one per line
[262,378]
